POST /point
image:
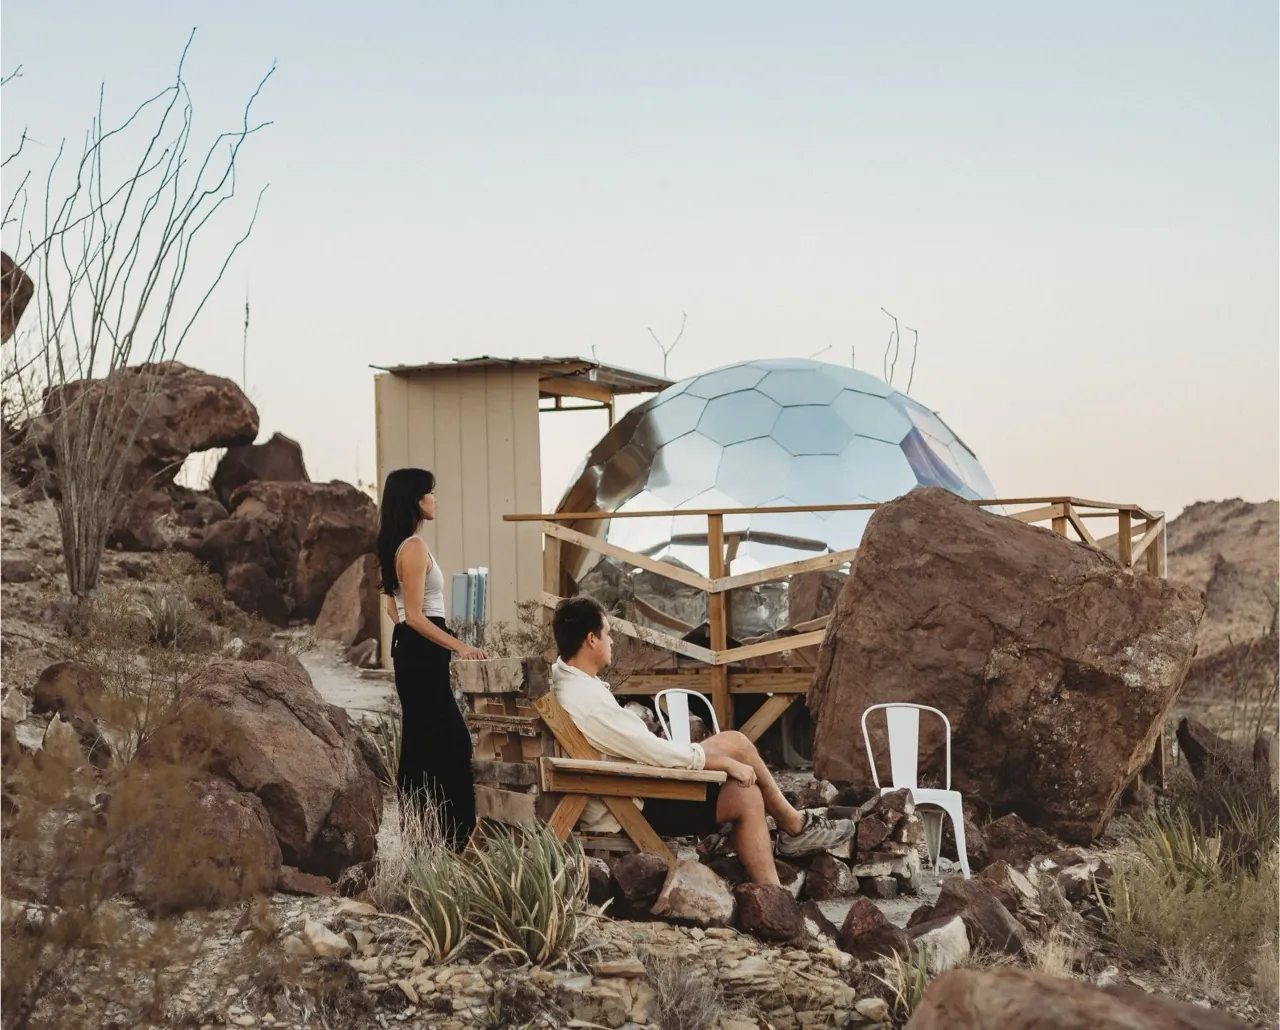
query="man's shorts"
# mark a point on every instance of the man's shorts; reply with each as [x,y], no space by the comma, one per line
[684,818]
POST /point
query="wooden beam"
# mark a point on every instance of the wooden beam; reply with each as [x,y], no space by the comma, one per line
[1052,511]
[806,627]
[503,774]
[719,623]
[767,714]
[1124,540]
[1078,525]
[652,772]
[617,784]
[646,684]
[775,646]
[637,827]
[658,568]
[506,806]
[721,584]
[644,608]
[564,729]
[566,815]
[648,636]
[1149,537]
[519,725]
[563,386]
[491,676]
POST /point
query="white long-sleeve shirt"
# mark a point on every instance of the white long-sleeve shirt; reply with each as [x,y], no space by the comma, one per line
[616,733]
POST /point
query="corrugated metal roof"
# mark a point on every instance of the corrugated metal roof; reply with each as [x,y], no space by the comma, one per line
[613,378]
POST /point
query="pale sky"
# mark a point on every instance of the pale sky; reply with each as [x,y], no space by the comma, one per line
[1075,204]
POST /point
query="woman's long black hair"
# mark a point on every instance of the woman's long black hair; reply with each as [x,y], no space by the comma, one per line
[399,517]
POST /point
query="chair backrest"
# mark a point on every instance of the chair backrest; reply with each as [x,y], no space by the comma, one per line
[903,721]
[677,712]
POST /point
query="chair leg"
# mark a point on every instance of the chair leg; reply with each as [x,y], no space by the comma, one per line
[956,812]
[932,819]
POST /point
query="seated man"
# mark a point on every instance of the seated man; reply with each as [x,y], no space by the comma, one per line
[581,630]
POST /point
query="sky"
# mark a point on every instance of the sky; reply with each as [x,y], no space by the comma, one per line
[1074,204]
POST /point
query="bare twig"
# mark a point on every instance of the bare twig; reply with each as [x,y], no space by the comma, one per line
[915,348]
[818,353]
[895,340]
[666,351]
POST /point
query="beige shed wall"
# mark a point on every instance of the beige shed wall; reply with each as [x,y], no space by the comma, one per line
[477,430]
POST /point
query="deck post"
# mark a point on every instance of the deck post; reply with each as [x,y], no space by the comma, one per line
[720,699]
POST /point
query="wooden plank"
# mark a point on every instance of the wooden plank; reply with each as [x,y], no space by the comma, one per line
[1052,511]
[767,714]
[564,729]
[505,806]
[717,613]
[653,614]
[658,568]
[775,646]
[1124,539]
[646,684]
[637,828]
[528,480]
[649,636]
[491,676]
[565,387]
[501,471]
[503,774]
[1149,537]
[613,785]
[551,571]
[812,624]
[518,725]
[654,772]
[1078,525]
[747,579]
[567,814]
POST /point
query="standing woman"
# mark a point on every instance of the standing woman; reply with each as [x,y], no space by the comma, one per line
[435,748]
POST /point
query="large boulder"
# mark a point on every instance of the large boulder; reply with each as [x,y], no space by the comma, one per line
[313,531]
[1055,665]
[251,590]
[262,726]
[171,410]
[16,289]
[278,460]
[1022,999]
[351,611]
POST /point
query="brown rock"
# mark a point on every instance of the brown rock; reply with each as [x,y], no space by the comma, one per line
[1266,759]
[192,842]
[351,612]
[867,934]
[238,542]
[599,888]
[16,289]
[811,595]
[142,526]
[829,878]
[264,727]
[279,460]
[872,832]
[638,877]
[1209,754]
[308,885]
[196,510]
[768,913]
[315,531]
[1011,840]
[1009,886]
[1055,665]
[987,920]
[177,411]
[364,655]
[68,689]
[253,591]
[1021,999]
[692,893]
[17,570]
[883,888]
[816,924]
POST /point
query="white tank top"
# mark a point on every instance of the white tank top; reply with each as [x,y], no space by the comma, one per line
[432,589]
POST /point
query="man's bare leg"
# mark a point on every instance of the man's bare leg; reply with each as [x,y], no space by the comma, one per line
[744,807]
[735,745]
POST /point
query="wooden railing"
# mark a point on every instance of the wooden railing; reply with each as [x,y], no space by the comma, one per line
[1134,535]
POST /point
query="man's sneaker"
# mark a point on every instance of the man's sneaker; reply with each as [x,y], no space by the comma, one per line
[817,834]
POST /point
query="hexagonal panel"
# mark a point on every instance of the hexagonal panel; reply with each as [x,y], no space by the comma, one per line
[726,380]
[811,429]
[871,416]
[751,471]
[739,416]
[684,468]
[820,479]
[863,382]
[878,469]
[799,386]
[673,418]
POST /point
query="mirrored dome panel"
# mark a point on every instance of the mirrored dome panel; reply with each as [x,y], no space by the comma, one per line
[765,433]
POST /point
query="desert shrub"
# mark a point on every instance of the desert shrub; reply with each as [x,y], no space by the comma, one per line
[1183,891]
[685,997]
[388,734]
[906,977]
[531,895]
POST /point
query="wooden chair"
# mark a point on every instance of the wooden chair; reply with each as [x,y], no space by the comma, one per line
[532,764]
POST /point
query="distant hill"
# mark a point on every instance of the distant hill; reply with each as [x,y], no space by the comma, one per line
[1231,551]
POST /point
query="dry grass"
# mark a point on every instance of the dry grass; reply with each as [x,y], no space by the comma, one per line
[685,997]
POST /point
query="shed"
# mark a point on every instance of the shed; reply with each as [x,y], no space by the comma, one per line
[475,423]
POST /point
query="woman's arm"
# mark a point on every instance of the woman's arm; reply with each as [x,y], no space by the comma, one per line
[414,564]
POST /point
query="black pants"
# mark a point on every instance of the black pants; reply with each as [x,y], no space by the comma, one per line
[435,747]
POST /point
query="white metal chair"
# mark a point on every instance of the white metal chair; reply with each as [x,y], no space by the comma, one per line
[903,721]
[677,704]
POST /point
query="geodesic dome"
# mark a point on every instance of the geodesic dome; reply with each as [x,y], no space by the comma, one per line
[764,433]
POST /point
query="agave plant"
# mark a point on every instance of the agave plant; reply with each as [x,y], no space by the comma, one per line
[531,895]
[439,895]
[388,735]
